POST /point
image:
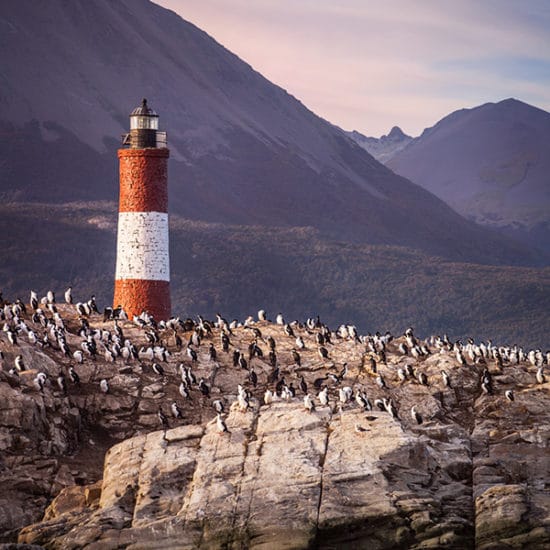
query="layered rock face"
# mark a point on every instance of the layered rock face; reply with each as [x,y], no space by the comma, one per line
[473,474]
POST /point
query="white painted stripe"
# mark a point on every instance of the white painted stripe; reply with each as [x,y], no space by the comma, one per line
[142,246]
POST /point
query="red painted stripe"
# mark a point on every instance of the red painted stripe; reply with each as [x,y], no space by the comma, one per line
[143,180]
[136,296]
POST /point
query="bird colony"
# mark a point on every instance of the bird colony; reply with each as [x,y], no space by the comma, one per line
[129,377]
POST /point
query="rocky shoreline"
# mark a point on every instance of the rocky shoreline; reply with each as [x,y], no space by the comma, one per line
[473,474]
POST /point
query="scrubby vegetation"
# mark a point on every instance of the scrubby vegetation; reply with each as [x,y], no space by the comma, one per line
[238,269]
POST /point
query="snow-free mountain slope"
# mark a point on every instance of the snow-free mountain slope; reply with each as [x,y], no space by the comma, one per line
[490,163]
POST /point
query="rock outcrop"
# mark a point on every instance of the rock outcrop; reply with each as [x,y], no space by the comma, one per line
[473,474]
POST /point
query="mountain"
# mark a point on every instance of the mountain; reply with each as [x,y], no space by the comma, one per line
[243,151]
[490,163]
[384,148]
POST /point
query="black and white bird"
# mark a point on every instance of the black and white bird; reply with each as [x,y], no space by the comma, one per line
[323,352]
[157,369]
[345,394]
[192,354]
[69,296]
[62,383]
[363,401]
[416,416]
[176,411]
[212,352]
[40,381]
[19,363]
[323,397]
[221,426]
[204,388]
[75,379]
[303,384]
[218,405]
[390,407]
[184,390]
[509,394]
[540,376]
[308,403]
[289,331]
[422,378]
[381,382]
[446,379]
[163,419]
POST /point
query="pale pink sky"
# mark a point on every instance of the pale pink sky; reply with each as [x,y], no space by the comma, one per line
[368,65]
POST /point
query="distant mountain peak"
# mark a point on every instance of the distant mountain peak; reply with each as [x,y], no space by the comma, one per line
[385,147]
[396,133]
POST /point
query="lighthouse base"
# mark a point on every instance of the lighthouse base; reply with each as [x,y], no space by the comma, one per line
[137,295]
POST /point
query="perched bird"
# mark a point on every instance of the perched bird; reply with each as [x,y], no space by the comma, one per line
[540,376]
[40,381]
[157,369]
[323,352]
[68,296]
[268,397]
[221,426]
[212,352]
[19,363]
[509,394]
[381,382]
[75,379]
[303,384]
[204,388]
[372,365]
[390,407]
[62,383]
[308,403]
[176,411]
[323,396]
[218,405]
[296,357]
[416,416]
[192,354]
[163,419]
[446,379]
[422,379]
[362,400]
[184,390]
[300,342]
[345,394]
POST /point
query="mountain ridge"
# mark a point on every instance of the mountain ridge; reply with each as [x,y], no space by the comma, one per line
[235,138]
[490,163]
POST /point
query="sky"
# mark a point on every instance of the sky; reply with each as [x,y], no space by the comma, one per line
[368,65]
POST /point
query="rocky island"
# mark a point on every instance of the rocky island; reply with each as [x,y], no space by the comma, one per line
[259,434]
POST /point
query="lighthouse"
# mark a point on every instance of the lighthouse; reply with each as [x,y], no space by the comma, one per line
[142,280]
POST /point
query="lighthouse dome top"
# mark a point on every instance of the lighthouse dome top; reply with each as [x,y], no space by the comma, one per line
[143,109]
[143,117]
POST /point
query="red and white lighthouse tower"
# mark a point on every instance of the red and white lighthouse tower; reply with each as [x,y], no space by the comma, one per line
[142,281]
